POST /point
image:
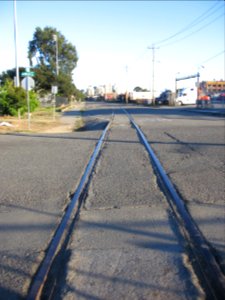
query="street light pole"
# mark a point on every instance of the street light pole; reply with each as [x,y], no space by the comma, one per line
[15,40]
[175,92]
[55,38]
[55,87]
[198,81]
[126,95]
[153,72]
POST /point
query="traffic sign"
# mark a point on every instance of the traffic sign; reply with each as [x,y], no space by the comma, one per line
[31,74]
[28,83]
[54,89]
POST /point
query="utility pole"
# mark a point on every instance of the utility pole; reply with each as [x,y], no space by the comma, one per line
[126,95]
[15,40]
[153,72]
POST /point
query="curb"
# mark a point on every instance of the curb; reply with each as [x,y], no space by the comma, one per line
[209,112]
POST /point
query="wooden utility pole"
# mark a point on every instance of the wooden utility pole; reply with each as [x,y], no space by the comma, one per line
[153,72]
[126,95]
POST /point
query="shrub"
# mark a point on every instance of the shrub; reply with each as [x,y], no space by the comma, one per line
[13,99]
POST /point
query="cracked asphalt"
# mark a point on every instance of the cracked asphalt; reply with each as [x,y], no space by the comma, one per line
[38,173]
[126,243]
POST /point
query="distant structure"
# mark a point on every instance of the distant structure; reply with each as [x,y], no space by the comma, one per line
[107,91]
[213,87]
[90,91]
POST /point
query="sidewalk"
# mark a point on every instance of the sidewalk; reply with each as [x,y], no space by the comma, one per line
[126,244]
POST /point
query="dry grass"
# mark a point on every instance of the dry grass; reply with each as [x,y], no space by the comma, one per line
[41,121]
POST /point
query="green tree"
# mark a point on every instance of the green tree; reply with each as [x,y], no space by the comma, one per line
[42,56]
[139,89]
[79,95]
[13,99]
[10,74]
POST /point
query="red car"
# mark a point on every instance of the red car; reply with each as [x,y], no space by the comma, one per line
[205,97]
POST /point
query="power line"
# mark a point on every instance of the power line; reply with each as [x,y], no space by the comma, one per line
[193,23]
[193,32]
[211,58]
[204,16]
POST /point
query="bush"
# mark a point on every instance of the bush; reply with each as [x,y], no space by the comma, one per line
[13,99]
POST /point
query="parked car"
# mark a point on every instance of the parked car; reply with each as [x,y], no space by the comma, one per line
[164,98]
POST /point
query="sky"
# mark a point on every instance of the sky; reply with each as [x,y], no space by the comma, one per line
[114,39]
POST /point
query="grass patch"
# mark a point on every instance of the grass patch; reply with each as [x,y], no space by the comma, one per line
[79,123]
[41,120]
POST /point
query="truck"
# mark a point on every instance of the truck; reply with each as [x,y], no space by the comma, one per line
[110,96]
[141,97]
[187,96]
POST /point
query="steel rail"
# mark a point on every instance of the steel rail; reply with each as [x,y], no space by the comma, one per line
[214,278]
[40,278]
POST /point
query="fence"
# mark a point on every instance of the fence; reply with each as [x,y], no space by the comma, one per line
[47,101]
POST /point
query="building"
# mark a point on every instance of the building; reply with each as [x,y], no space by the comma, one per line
[90,91]
[213,87]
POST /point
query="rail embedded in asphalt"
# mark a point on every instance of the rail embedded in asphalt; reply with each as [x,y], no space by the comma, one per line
[214,278]
[40,278]
[210,272]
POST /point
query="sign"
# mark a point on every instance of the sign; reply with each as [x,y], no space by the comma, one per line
[31,74]
[28,83]
[188,77]
[54,89]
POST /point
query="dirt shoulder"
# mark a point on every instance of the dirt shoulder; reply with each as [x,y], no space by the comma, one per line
[43,121]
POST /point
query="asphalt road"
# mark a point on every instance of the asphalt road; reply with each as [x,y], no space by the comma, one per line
[125,214]
[39,172]
[191,148]
[126,244]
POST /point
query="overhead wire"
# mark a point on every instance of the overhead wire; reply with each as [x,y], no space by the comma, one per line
[208,13]
[193,32]
[211,58]
[194,23]
[205,15]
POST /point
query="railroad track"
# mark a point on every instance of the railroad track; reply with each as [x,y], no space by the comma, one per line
[205,264]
